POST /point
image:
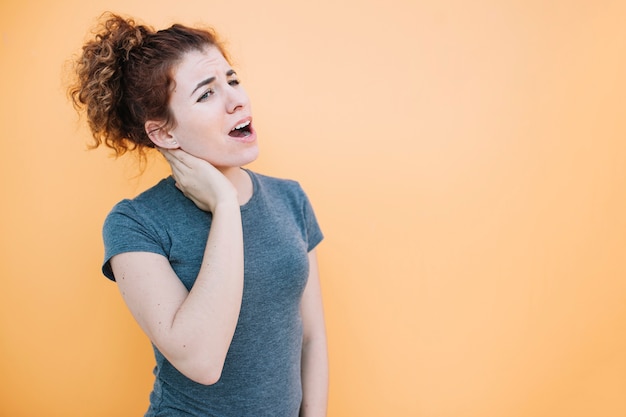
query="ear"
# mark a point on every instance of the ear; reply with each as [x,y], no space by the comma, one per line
[159,135]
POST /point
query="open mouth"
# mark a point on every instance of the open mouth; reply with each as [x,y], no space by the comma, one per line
[241,130]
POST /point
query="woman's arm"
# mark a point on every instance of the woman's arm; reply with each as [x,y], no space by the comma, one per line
[314,350]
[192,329]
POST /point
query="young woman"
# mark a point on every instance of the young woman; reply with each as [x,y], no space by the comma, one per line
[216,263]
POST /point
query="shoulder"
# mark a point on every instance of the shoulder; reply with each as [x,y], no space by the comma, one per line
[156,198]
[282,187]
[162,193]
[282,194]
[151,210]
[287,200]
[136,225]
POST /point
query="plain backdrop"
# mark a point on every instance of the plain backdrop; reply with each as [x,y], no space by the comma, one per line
[466,160]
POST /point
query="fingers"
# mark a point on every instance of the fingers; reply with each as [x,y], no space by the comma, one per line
[197,179]
[176,155]
[185,161]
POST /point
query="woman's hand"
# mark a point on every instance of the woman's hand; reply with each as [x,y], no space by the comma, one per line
[199,181]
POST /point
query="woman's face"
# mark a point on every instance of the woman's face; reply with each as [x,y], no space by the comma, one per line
[212,111]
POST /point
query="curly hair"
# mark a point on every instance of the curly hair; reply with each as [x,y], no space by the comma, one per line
[124,78]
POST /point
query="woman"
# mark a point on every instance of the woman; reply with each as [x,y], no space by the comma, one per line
[216,263]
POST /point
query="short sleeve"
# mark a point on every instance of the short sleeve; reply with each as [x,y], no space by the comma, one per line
[312,227]
[125,230]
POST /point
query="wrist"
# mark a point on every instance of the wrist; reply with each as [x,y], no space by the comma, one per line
[226,205]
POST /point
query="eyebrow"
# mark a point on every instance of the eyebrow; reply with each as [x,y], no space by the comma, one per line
[209,80]
[203,83]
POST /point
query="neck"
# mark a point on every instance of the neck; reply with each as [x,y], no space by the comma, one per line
[241,181]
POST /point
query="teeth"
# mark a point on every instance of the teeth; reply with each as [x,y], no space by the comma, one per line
[241,125]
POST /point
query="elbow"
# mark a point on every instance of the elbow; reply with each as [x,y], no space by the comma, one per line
[208,378]
[202,373]
[199,364]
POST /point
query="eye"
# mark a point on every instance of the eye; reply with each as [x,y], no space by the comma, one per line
[206,95]
[234,82]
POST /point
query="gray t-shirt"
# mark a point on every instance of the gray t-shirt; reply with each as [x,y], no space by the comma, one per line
[261,375]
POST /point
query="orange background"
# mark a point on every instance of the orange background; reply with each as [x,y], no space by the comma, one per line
[467,163]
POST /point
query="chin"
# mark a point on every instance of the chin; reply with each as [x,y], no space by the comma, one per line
[249,156]
[241,159]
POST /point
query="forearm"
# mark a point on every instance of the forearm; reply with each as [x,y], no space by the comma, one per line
[314,377]
[204,324]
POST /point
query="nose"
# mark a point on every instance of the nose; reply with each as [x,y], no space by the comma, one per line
[237,98]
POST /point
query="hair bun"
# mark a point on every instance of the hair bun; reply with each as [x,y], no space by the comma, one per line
[122,36]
